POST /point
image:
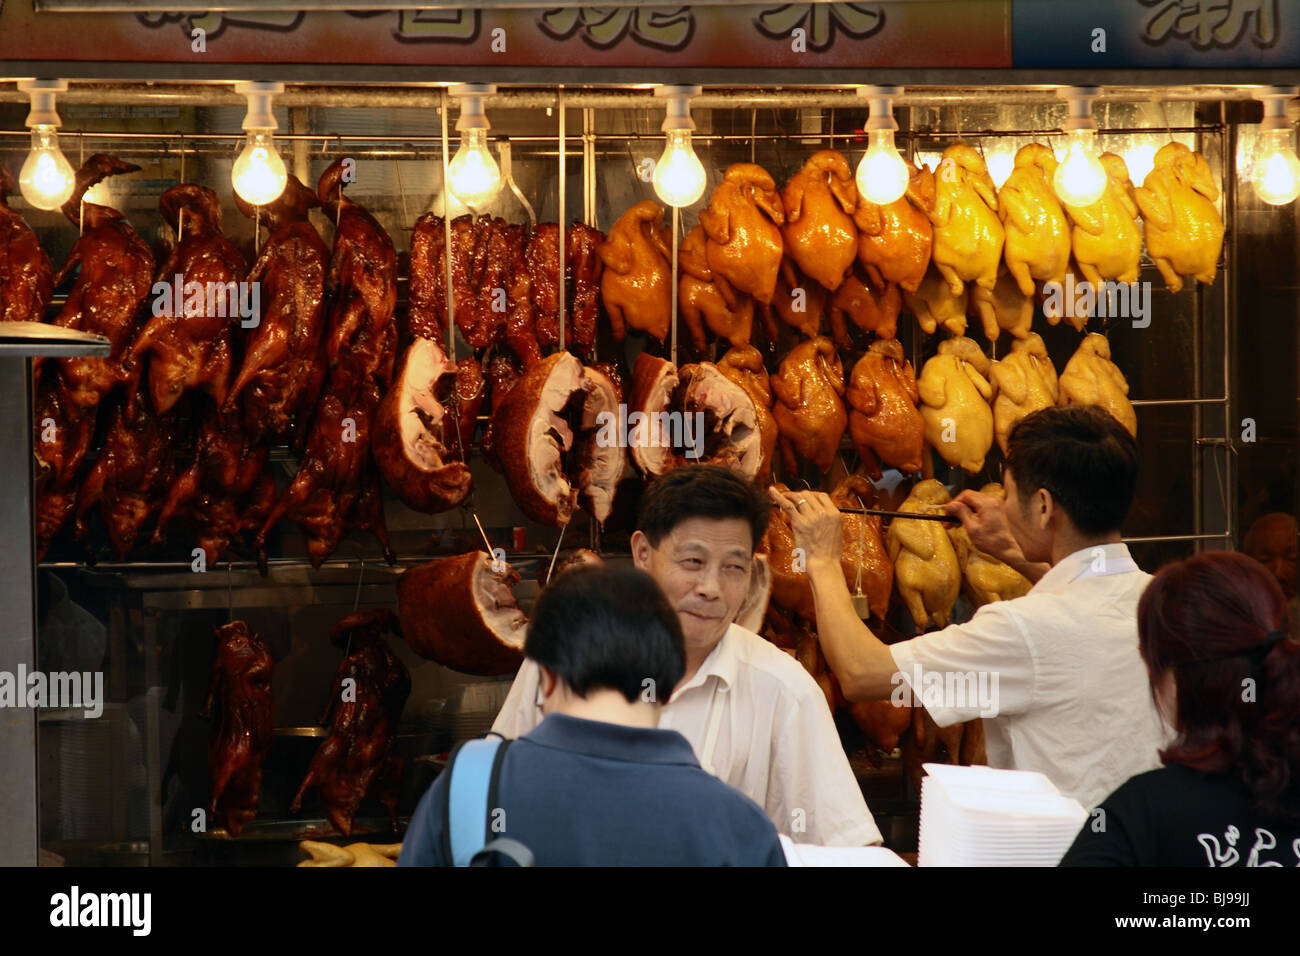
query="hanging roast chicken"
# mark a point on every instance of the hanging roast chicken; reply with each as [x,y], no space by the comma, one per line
[955,395]
[874,311]
[369,692]
[986,578]
[809,389]
[934,304]
[968,236]
[884,421]
[895,240]
[707,299]
[637,284]
[819,233]
[26,276]
[743,223]
[1037,234]
[1091,378]
[1106,239]
[1023,382]
[927,565]
[190,344]
[798,301]
[1184,232]
[243,730]
[284,364]
[114,278]
[1003,307]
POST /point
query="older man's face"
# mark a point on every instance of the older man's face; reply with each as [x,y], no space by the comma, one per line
[703,566]
[1272,542]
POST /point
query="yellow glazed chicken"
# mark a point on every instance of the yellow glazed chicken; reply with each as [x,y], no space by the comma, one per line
[636,285]
[819,201]
[986,578]
[968,236]
[1003,307]
[927,565]
[1038,236]
[894,240]
[1091,378]
[743,225]
[955,396]
[1023,382]
[809,409]
[706,299]
[1106,240]
[798,301]
[934,304]
[884,422]
[1184,232]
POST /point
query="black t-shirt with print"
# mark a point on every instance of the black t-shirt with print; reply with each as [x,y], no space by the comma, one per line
[1181,817]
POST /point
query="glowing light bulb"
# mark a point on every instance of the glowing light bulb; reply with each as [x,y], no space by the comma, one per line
[473,174]
[1277,169]
[679,175]
[46,179]
[259,176]
[1081,179]
[882,175]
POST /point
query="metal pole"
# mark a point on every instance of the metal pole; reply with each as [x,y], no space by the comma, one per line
[563,219]
[672,279]
[446,232]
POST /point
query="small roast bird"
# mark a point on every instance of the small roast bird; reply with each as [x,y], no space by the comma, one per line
[968,236]
[1106,240]
[809,409]
[894,240]
[1091,378]
[637,284]
[1023,382]
[1184,231]
[927,565]
[708,299]
[955,396]
[743,225]
[986,578]
[1003,307]
[934,304]
[884,422]
[819,201]
[1038,236]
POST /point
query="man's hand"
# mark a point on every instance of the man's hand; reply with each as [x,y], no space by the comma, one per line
[985,519]
[817,523]
[754,609]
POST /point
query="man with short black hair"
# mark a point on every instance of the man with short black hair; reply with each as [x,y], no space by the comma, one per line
[596,784]
[755,718]
[1072,699]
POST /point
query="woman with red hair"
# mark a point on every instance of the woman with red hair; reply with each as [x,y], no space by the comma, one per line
[1212,630]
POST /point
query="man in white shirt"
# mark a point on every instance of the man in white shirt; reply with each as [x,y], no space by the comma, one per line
[754,717]
[1071,698]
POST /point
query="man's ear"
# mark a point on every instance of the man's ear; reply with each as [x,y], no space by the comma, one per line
[546,680]
[1046,507]
[641,549]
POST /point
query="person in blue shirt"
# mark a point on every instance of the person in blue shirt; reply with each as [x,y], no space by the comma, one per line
[596,783]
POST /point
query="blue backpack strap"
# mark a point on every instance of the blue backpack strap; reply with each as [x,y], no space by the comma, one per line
[473,768]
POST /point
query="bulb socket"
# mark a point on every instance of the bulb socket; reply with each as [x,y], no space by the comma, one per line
[43,93]
[260,96]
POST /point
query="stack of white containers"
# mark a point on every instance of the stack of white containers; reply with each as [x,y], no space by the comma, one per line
[978,816]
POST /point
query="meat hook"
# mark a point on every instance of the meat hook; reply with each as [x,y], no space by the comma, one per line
[507,174]
[558,541]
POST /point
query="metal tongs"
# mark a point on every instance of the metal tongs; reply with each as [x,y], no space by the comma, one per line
[507,176]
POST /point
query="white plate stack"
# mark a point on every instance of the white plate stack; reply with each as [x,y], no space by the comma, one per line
[978,816]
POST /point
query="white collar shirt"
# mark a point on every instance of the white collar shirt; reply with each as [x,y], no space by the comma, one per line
[758,721]
[1071,692]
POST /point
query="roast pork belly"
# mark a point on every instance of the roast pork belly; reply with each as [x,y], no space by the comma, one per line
[731,434]
[552,440]
[410,435]
[654,381]
[460,613]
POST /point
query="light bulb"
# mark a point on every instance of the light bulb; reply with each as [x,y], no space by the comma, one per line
[46,179]
[1081,179]
[473,174]
[882,175]
[679,175]
[259,176]
[1277,169]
